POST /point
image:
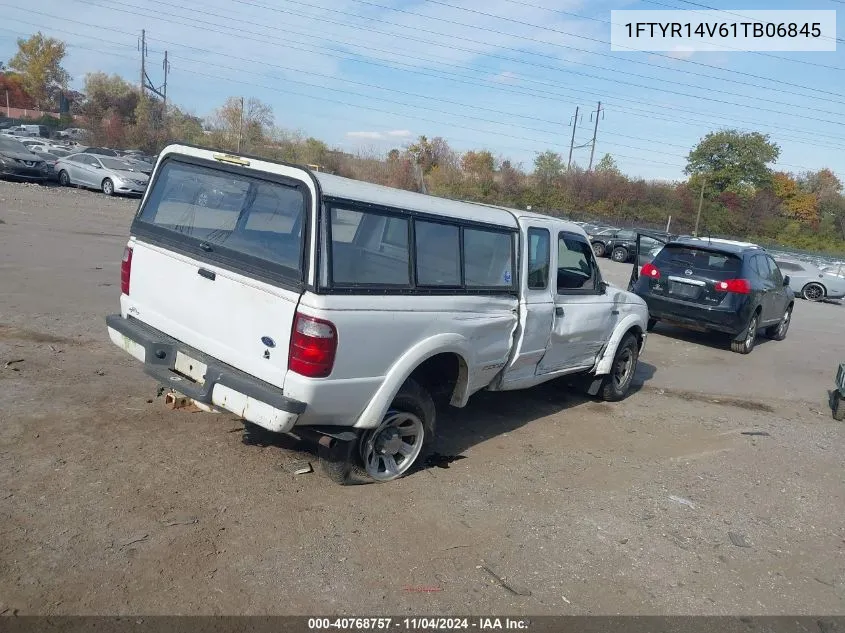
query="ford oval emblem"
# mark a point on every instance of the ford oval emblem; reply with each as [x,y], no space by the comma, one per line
[268,342]
[688,272]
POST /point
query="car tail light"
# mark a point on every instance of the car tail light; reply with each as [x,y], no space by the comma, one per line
[313,344]
[738,286]
[649,270]
[125,270]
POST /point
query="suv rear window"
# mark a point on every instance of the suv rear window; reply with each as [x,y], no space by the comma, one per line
[677,256]
[248,215]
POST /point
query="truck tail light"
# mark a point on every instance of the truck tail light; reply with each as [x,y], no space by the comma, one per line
[737,286]
[650,271]
[126,270]
[313,344]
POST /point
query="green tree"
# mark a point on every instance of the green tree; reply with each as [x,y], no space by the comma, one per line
[548,166]
[733,161]
[109,93]
[608,165]
[39,61]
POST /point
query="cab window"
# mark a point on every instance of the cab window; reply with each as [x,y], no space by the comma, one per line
[576,267]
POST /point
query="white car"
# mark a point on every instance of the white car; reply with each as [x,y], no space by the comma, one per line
[810,282]
[344,311]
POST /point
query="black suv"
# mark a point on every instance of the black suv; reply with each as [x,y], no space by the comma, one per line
[718,286]
[621,245]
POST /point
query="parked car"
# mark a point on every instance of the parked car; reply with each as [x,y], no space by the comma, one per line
[282,289]
[810,282]
[16,161]
[599,237]
[619,245]
[109,175]
[101,151]
[51,160]
[735,288]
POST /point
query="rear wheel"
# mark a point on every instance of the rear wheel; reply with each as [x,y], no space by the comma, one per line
[108,187]
[813,292]
[744,343]
[778,332]
[391,450]
[619,254]
[598,249]
[64,179]
[618,381]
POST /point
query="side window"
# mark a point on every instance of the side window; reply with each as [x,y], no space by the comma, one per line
[438,254]
[358,253]
[576,267]
[488,259]
[775,274]
[538,259]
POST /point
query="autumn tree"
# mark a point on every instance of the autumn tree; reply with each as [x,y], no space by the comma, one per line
[797,204]
[10,84]
[242,122]
[607,165]
[429,154]
[39,62]
[548,166]
[732,160]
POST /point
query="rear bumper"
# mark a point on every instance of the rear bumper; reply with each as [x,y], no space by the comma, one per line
[223,386]
[709,318]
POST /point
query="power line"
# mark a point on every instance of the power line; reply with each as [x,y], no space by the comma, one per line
[585,37]
[754,106]
[603,21]
[615,58]
[463,79]
[704,6]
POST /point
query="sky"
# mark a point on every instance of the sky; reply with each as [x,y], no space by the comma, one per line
[500,75]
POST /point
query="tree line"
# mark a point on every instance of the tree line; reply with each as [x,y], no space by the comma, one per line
[729,173]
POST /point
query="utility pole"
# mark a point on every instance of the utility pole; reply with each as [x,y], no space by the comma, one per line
[166,66]
[700,202]
[241,125]
[595,132]
[572,140]
[8,109]
[143,49]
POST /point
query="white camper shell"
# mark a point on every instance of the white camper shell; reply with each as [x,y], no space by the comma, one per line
[312,304]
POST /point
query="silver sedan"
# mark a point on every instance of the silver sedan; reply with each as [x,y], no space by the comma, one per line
[808,281]
[109,175]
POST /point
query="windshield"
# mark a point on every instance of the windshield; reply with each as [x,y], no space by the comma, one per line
[11,145]
[254,217]
[112,163]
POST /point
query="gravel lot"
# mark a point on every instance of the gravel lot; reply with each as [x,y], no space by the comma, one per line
[110,503]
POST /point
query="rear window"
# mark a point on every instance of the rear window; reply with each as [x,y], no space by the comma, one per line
[235,212]
[675,256]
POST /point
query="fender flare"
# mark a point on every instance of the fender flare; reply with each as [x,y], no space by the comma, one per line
[622,328]
[405,366]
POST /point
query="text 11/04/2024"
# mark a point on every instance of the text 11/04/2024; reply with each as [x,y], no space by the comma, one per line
[723,31]
[419,624]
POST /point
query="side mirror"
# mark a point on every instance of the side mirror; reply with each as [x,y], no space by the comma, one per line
[785,281]
[603,287]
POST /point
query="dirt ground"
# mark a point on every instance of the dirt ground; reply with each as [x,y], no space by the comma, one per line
[542,502]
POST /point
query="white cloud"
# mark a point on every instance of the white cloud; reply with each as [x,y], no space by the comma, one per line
[506,77]
[400,133]
[369,135]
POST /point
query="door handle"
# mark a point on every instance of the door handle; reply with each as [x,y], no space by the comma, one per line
[206,247]
[208,274]
[614,311]
[558,311]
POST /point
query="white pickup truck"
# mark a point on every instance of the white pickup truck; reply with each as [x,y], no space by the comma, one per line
[342,311]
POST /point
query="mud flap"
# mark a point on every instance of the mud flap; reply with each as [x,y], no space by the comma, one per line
[595,385]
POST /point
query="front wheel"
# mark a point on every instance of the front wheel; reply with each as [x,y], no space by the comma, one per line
[618,381]
[619,254]
[64,179]
[108,187]
[598,249]
[813,292]
[744,342]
